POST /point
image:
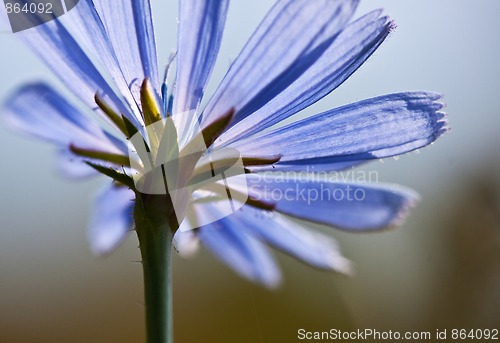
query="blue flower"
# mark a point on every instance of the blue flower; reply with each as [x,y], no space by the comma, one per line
[104,52]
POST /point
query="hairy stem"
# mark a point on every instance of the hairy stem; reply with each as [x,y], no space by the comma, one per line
[155,232]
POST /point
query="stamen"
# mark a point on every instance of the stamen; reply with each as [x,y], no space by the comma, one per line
[252,201]
[112,115]
[117,159]
[115,175]
[213,131]
[204,140]
[130,128]
[150,108]
[211,168]
[260,161]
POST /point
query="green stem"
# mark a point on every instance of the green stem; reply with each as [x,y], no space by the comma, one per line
[155,231]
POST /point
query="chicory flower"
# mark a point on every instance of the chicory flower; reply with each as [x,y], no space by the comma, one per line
[104,52]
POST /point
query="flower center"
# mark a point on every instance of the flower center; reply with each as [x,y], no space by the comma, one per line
[179,178]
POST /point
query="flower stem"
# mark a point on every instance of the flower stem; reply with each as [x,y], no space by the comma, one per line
[155,232]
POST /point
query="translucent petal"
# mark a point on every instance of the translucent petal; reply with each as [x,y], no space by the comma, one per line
[291,37]
[311,247]
[228,240]
[112,219]
[351,206]
[40,111]
[375,128]
[349,50]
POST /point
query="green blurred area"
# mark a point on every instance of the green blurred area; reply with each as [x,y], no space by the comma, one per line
[441,269]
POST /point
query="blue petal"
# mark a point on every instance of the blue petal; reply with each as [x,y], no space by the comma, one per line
[200,32]
[85,25]
[40,111]
[289,40]
[311,247]
[376,128]
[143,19]
[66,58]
[201,24]
[186,243]
[350,49]
[228,240]
[4,21]
[112,219]
[129,25]
[73,167]
[343,205]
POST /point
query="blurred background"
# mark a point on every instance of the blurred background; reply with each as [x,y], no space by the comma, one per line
[441,269]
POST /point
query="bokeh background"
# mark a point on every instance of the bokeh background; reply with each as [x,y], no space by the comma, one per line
[441,269]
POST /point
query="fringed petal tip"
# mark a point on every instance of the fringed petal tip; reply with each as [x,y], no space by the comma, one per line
[273,283]
[346,268]
[340,264]
[430,104]
[409,199]
[380,127]
[391,26]
[439,116]
[443,128]
[439,101]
